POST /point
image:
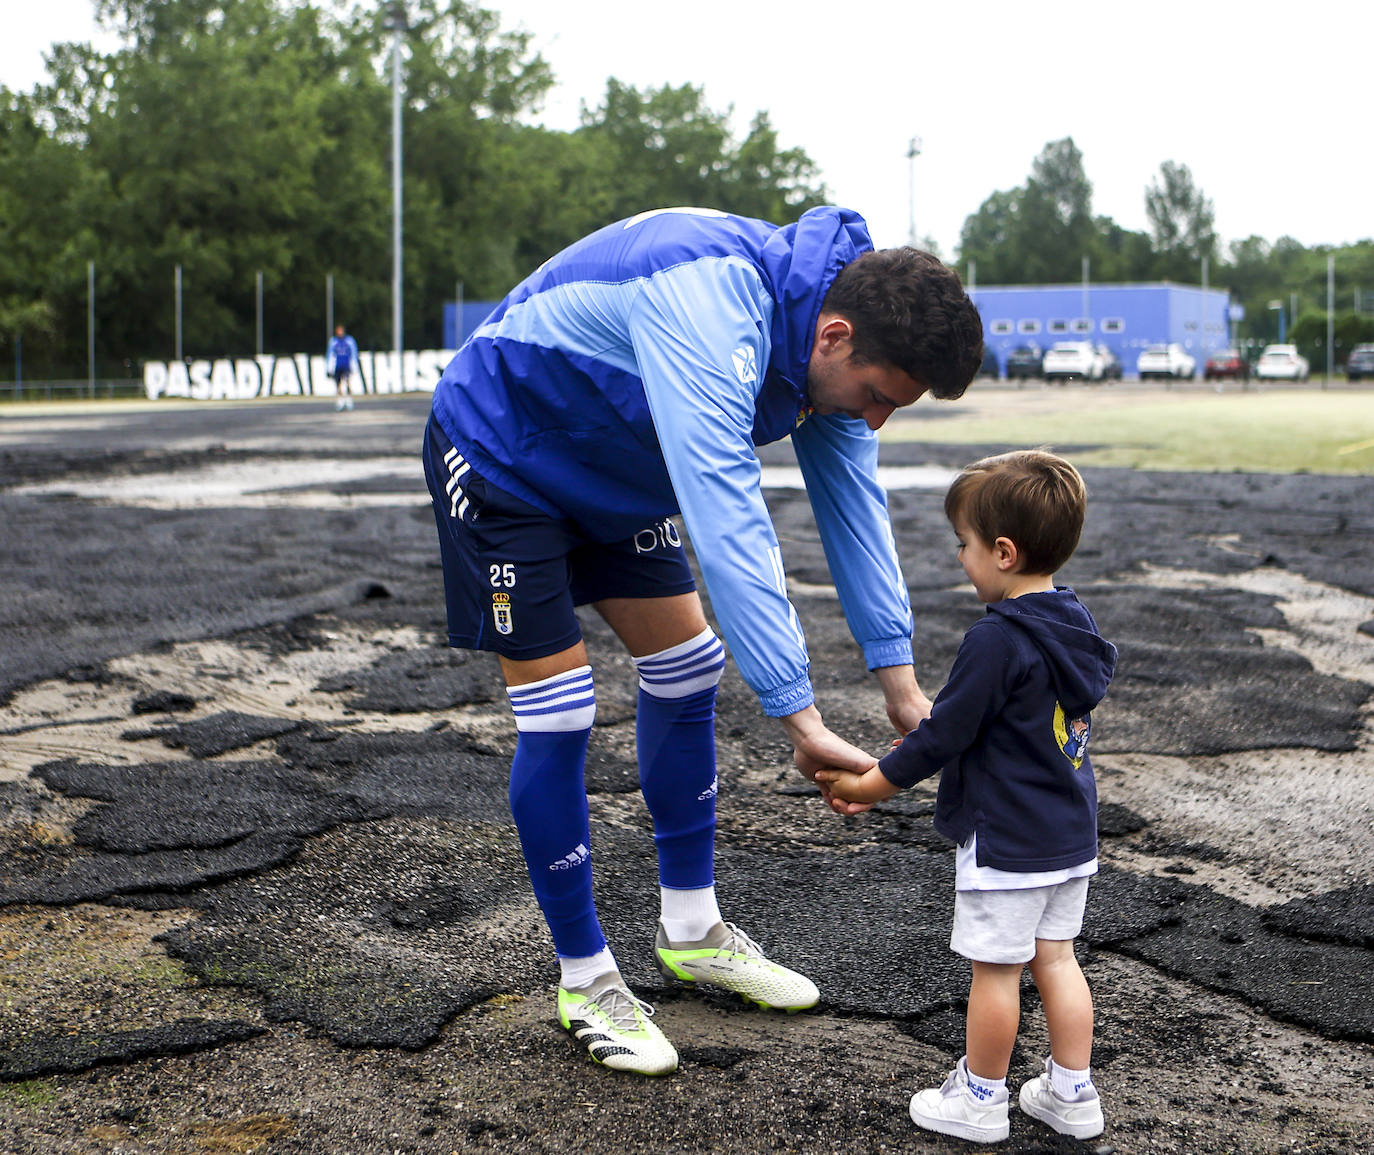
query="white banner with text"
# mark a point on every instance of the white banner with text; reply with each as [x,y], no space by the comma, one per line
[295,375]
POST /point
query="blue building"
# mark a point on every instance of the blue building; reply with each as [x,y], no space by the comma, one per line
[461,318]
[1125,318]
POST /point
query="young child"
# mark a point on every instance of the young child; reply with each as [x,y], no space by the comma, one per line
[1010,731]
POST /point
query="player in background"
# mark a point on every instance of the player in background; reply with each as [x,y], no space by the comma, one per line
[340,362]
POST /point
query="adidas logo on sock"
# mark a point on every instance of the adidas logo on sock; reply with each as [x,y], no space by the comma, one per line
[710,791]
[579,855]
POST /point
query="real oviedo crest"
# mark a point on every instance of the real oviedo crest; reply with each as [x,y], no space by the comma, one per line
[1072,734]
[500,613]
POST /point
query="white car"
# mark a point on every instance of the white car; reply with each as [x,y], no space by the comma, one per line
[1172,361]
[1074,359]
[1282,363]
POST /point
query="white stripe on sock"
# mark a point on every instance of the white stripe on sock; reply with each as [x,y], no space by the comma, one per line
[683,669]
[558,704]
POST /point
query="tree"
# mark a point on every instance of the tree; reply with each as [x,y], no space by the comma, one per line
[20,319]
[41,177]
[1038,234]
[1348,329]
[988,238]
[1119,254]
[231,138]
[761,180]
[1182,223]
[664,147]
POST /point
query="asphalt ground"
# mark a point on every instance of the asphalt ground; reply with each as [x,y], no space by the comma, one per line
[259,888]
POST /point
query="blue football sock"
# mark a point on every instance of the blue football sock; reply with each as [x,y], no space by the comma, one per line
[548,799]
[675,732]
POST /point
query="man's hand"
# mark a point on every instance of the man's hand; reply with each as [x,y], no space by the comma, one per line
[815,747]
[907,705]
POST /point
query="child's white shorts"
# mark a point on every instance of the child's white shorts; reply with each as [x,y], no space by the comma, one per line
[1001,926]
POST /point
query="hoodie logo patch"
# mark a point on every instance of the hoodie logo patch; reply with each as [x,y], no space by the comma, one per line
[746,365]
[1072,735]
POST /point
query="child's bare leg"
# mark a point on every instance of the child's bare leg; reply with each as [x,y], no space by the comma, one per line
[1067,1001]
[994,1013]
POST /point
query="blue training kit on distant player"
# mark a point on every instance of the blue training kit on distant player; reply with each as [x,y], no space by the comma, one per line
[342,355]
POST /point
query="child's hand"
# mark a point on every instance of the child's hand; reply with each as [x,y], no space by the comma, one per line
[849,793]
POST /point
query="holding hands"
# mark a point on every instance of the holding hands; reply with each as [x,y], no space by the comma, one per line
[848,777]
[849,793]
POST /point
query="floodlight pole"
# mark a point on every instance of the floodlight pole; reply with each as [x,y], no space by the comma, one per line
[396,21]
[177,286]
[913,150]
[1330,317]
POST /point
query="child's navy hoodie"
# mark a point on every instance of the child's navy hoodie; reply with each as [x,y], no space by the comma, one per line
[1010,730]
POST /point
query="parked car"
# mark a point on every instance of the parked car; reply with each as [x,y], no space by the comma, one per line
[1073,360]
[1281,363]
[1111,364]
[1360,363]
[1025,361]
[989,367]
[1171,361]
[1226,364]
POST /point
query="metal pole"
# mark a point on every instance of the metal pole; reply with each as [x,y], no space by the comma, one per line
[1202,309]
[90,326]
[913,150]
[328,308]
[1330,316]
[398,24]
[458,315]
[178,320]
[259,312]
[1087,313]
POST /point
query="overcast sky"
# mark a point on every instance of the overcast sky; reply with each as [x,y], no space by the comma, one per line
[1270,107]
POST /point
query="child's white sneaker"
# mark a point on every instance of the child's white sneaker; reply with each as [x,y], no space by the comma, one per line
[1080,1118]
[954,1110]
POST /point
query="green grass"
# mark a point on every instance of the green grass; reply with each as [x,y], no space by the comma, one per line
[31,1093]
[1308,431]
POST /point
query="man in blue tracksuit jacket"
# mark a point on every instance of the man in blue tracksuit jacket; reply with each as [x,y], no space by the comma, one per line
[626,380]
[341,358]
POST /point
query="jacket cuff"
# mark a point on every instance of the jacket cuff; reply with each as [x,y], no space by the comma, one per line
[890,766]
[888,652]
[787,699]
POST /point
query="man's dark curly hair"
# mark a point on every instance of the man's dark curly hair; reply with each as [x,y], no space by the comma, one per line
[909,310]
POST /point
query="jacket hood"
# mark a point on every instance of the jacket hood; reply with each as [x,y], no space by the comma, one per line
[1081,662]
[802,261]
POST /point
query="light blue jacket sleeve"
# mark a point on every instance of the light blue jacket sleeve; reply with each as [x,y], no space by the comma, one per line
[700,335]
[838,457]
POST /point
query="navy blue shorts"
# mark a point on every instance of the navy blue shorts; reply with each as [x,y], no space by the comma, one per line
[513,574]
